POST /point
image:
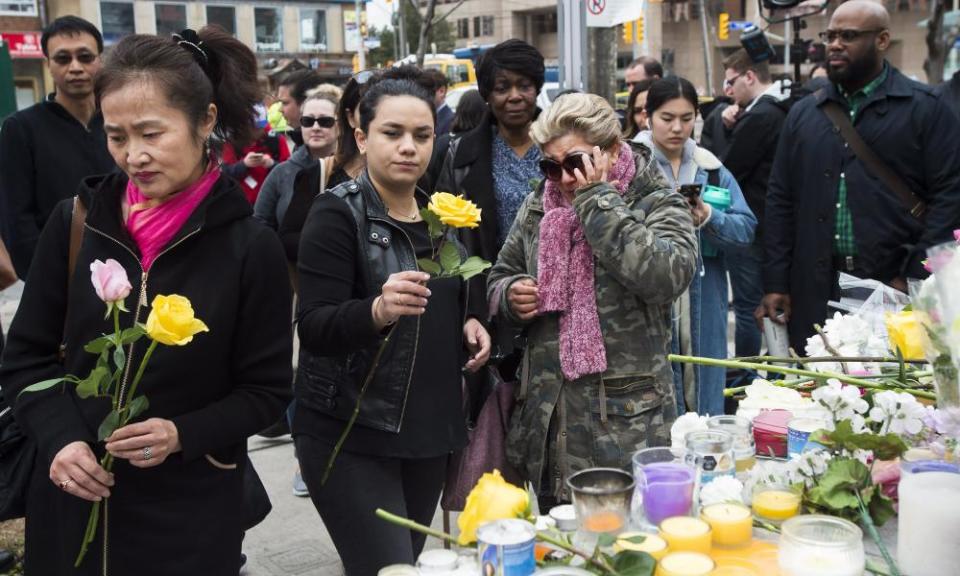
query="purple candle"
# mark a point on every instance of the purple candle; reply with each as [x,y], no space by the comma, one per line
[667,490]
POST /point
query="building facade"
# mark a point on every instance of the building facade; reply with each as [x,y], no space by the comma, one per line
[20,26]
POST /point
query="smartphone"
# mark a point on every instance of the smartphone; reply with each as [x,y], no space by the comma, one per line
[690,191]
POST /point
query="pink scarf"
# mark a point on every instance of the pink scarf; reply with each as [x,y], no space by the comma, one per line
[152,227]
[566,276]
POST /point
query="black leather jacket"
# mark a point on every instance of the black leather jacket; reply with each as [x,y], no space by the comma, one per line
[331,383]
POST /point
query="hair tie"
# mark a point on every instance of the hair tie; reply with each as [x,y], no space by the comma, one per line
[189,40]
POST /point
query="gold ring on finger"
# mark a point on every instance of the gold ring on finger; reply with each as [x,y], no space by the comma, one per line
[65,483]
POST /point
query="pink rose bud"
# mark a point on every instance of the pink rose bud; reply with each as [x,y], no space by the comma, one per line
[110,280]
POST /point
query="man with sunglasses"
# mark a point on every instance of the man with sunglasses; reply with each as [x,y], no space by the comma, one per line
[828,211]
[47,149]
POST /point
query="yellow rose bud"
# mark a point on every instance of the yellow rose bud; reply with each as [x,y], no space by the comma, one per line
[454,211]
[491,499]
[906,334]
[171,321]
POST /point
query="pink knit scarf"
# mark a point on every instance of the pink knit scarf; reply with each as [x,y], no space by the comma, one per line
[565,263]
[152,227]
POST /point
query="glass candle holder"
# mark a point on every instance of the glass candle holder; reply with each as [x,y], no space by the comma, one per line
[686,534]
[665,489]
[652,544]
[928,541]
[821,545]
[601,498]
[744,446]
[641,458]
[685,564]
[710,452]
[731,524]
[775,503]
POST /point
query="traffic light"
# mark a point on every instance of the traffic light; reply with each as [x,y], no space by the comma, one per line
[640,30]
[723,31]
[628,32]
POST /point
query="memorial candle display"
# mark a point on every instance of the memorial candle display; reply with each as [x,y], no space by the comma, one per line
[821,545]
[775,503]
[686,534]
[652,544]
[731,524]
[685,564]
[929,523]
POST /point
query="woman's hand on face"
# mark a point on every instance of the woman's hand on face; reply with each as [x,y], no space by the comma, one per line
[595,168]
[403,294]
[477,340]
[75,470]
[524,298]
[145,444]
[701,212]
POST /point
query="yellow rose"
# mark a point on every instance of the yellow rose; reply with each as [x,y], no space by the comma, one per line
[906,334]
[171,321]
[491,499]
[454,211]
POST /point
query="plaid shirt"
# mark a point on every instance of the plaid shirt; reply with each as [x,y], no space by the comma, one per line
[843,239]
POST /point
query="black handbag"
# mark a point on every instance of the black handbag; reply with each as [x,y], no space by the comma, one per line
[17,453]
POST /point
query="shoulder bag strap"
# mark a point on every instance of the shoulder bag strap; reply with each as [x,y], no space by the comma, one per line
[878,167]
[326,166]
[77,219]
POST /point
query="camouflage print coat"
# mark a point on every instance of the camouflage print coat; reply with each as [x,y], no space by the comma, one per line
[645,254]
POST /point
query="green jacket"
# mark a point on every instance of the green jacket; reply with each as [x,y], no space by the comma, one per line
[645,251]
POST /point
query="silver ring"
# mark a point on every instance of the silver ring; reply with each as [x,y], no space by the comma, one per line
[65,483]
[147,453]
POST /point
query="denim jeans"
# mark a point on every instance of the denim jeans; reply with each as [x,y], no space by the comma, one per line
[746,279]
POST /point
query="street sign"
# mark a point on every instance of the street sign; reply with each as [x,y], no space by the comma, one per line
[609,13]
[23,44]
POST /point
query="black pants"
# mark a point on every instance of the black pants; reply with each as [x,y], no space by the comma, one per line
[359,485]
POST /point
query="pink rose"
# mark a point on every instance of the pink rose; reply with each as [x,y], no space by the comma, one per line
[110,281]
[956,235]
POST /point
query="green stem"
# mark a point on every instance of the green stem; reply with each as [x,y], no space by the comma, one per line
[816,359]
[797,372]
[356,408]
[873,568]
[89,534]
[118,344]
[408,523]
[872,530]
[596,560]
[139,375]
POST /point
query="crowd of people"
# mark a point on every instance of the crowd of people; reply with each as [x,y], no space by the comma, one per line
[615,240]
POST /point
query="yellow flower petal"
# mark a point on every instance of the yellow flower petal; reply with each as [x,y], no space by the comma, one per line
[906,334]
[455,211]
[171,321]
[491,499]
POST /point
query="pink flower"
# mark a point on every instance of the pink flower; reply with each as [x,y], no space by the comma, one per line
[110,281]
[956,235]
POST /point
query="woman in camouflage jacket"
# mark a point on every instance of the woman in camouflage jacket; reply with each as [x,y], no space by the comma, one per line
[591,266]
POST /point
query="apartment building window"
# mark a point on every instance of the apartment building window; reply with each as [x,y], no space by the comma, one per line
[486,26]
[18,7]
[116,21]
[171,18]
[463,28]
[268,23]
[476,26]
[313,29]
[545,23]
[224,17]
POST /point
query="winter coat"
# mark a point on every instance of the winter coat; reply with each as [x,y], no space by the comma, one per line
[277,190]
[183,516]
[914,133]
[645,249]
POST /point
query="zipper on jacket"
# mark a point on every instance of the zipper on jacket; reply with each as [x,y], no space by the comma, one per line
[141,303]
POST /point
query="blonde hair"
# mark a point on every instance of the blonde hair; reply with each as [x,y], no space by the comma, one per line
[588,115]
[327,92]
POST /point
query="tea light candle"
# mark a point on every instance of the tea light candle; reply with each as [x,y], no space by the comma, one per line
[776,504]
[652,544]
[731,524]
[685,564]
[685,534]
[605,521]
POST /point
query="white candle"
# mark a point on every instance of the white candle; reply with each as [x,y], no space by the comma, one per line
[929,529]
[822,546]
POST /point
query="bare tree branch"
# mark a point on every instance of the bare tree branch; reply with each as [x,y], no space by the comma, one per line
[425,28]
[440,19]
[416,10]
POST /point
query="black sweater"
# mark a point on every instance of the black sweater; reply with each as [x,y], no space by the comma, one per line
[44,155]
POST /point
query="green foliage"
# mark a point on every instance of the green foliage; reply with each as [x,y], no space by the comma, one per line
[136,407]
[41,386]
[632,563]
[449,258]
[384,55]
[472,266]
[838,487]
[92,385]
[884,447]
[429,266]
[109,424]
[434,224]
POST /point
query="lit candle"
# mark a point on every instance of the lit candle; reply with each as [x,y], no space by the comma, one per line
[776,504]
[685,564]
[685,534]
[652,544]
[731,524]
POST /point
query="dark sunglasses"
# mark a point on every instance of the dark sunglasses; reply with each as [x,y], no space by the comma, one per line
[322,121]
[64,59]
[554,170]
[846,36]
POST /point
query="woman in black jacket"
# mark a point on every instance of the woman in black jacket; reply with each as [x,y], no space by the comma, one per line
[359,283]
[173,502]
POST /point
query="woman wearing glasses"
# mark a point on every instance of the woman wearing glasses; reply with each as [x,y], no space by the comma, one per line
[724,224]
[595,258]
[318,127]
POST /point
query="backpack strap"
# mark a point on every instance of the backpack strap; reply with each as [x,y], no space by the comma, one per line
[78,216]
